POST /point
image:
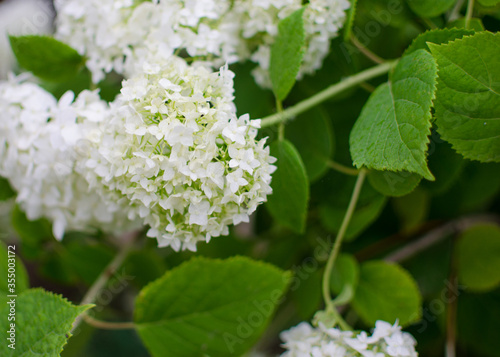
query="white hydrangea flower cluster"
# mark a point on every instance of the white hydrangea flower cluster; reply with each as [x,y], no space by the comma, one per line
[176,149]
[304,340]
[120,35]
[38,138]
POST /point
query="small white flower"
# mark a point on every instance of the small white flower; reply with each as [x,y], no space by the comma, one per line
[304,340]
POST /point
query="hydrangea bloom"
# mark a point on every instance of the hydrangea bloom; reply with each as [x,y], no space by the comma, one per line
[121,35]
[386,340]
[175,147]
[38,138]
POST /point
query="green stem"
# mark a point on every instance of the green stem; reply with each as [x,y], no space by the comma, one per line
[365,51]
[108,272]
[327,93]
[468,15]
[343,169]
[281,128]
[338,240]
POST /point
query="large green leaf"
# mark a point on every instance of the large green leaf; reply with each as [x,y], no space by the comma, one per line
[312,134]
[288,203]
[438,37]
[392,130]
[478,255]
[43,322]
[46,57]
[209,307]
[430,8]
[286,53]
[468,95]
[386,292]
[489,2]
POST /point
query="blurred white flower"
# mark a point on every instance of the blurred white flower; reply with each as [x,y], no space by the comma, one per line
[304,340]
[38,140]
[21,17]
[175,148]
[122,35]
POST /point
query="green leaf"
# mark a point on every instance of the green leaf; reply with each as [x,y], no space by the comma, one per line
[145,266]
[46,57]
[209,307]
[438,37]
[32,233]
[344,278]
[412,209]
[489,2]
[286,53]
[386,292]
[430,8]
[288,203]
[394,184]
[478,255]
[6,191]
[468,95]
[474,24]
[392,130]
[307,295]
[312,135]
[13,277]
[42,325]
[445,164]
[479,322]
[87,260]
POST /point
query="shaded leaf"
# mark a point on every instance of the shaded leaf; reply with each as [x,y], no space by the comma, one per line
[478,256]
[288,203]
[209,307]
[386,292]
[430,8]
[312,135]
[394,184]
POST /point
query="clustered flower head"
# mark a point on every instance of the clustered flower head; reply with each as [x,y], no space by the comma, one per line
[38,140]
[304,340]
[176,149]
[120,35]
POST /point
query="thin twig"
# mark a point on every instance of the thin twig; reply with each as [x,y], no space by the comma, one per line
[108,272]
[365,51]
[437,235]
[311,102]
[451,310]
[455,12]
[343,169]
[105,325]
[336,247]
